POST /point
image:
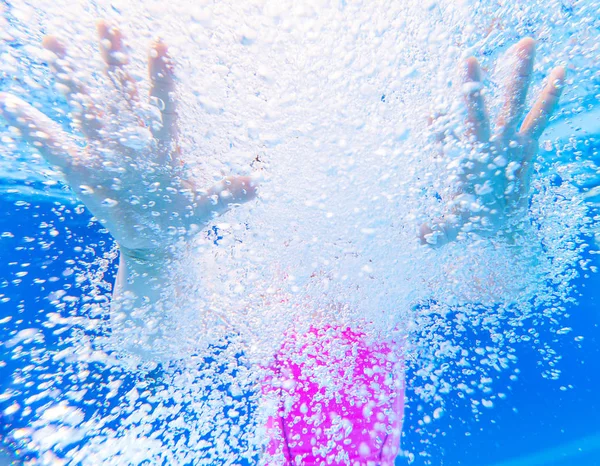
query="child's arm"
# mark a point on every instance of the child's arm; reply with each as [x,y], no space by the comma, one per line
[494,175]
[129,175]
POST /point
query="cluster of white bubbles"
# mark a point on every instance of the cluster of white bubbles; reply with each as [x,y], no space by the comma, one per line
[328,100]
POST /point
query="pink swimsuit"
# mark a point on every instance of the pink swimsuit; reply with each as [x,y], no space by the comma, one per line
[340,401]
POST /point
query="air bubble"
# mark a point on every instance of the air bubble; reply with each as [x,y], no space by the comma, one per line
[85,190]
[108,202]
[137,137]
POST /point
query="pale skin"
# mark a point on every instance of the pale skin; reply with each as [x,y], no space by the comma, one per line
[494,178]
[148,204]
[144,199]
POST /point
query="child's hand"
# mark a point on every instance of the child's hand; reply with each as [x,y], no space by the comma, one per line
[131,177]
[494,178]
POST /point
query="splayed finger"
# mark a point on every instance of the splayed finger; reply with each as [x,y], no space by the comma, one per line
[40,131]
[85,113]
[517,87]
[116,58]
[226,194]
[478,125]
[537,119]
[162,94]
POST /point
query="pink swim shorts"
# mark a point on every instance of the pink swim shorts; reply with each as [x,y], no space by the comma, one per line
[340,400]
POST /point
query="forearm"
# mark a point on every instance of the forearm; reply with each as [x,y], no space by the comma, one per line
[140,280]
[141,298]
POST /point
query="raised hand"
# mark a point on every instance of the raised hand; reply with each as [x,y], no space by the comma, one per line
[130,173]
[493,178]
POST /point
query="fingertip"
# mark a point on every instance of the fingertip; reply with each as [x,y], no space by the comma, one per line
[160,47]
[472,69]
[159,56]
[10,103]
[160,65]
[112,45]
[471,62]
[527,43]
[556,80]
[54,45]
[245,187]
[48,41]
[559,73]
[101,27]
[525,51]
[105,27]
[109,31]
[105,40]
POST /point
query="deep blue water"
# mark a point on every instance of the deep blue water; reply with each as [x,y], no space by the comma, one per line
[49,256]
[536,416]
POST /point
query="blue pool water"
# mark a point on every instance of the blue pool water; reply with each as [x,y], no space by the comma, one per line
[536,416]
[49,241]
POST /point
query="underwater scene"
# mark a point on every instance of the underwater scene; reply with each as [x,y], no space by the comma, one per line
[300,232]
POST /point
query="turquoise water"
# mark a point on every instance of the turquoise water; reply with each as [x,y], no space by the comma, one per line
[64,397]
